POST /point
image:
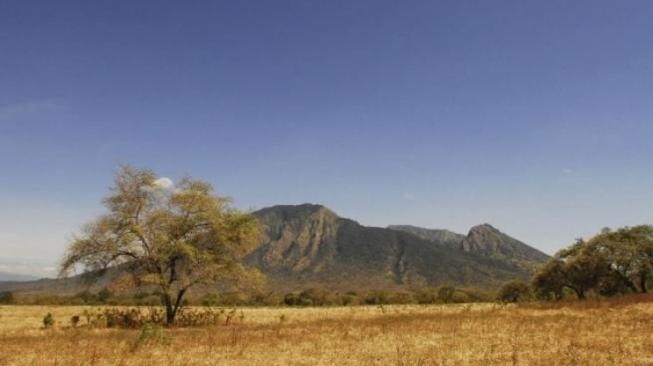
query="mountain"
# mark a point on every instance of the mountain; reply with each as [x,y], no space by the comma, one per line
[12,277]
[435,235]
[308,245]
[483,240]
[63,286]
[488,241]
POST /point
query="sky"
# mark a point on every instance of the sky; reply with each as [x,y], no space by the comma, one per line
[533,116]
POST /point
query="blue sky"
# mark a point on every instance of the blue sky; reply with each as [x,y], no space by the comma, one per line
[534,116]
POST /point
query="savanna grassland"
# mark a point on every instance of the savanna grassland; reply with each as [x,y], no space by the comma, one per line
[607,332]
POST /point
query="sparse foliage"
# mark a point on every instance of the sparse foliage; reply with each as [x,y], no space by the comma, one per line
[170,237]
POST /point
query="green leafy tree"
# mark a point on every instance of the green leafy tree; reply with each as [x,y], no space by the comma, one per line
[514,291]
[583,268]
[550,281]
[173,237]
[629,252]
[609,263]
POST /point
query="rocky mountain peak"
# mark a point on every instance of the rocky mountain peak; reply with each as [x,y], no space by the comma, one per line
[296,237]
[488,241]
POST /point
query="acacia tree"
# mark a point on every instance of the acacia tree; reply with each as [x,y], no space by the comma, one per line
[170,236]
[583,269]
[629,252]
[579,268]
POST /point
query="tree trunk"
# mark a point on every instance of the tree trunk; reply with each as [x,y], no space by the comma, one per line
[170,311]
[580,293]
[642,283]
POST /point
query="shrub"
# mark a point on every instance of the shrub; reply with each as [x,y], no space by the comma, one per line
[350,298]
[74,321]
[291,299]
[136,318]
[425,296]
[446,293]
[150,333]
[211,299]
[48,321]
[7,297]
[377,298]
[104,295]
[514,291]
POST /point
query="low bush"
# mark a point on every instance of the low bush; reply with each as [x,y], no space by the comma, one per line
[136,318]
[48,321]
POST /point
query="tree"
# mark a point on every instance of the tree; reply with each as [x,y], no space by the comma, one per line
[549,282]
[581,267]
[514,291]
[629,252]
[446,293]
[171,236]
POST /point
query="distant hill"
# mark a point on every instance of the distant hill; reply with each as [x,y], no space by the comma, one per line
[309,245]
[12,277]
[484,240]
[62,286]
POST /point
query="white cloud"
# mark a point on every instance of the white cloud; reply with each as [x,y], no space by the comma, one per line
[164,183]
[568,171]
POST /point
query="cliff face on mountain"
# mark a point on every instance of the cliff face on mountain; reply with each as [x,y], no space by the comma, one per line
[490,242]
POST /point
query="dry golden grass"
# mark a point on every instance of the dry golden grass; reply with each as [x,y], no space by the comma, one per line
[591,333]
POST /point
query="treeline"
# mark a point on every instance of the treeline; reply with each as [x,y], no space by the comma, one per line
[613,262]
[309,297]
[317,296]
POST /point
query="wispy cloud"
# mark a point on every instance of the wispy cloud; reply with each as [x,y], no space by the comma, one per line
[408,196]
[16,110]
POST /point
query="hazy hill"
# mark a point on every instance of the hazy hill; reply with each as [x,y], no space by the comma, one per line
[6,277]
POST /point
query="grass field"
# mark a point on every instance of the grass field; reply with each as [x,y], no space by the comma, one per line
[590,333]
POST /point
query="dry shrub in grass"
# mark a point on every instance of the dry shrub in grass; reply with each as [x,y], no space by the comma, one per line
[593,303]
[136,318]
[48,321]
[151,334]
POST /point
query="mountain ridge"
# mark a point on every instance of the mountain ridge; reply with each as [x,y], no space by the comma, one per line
[485,240]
